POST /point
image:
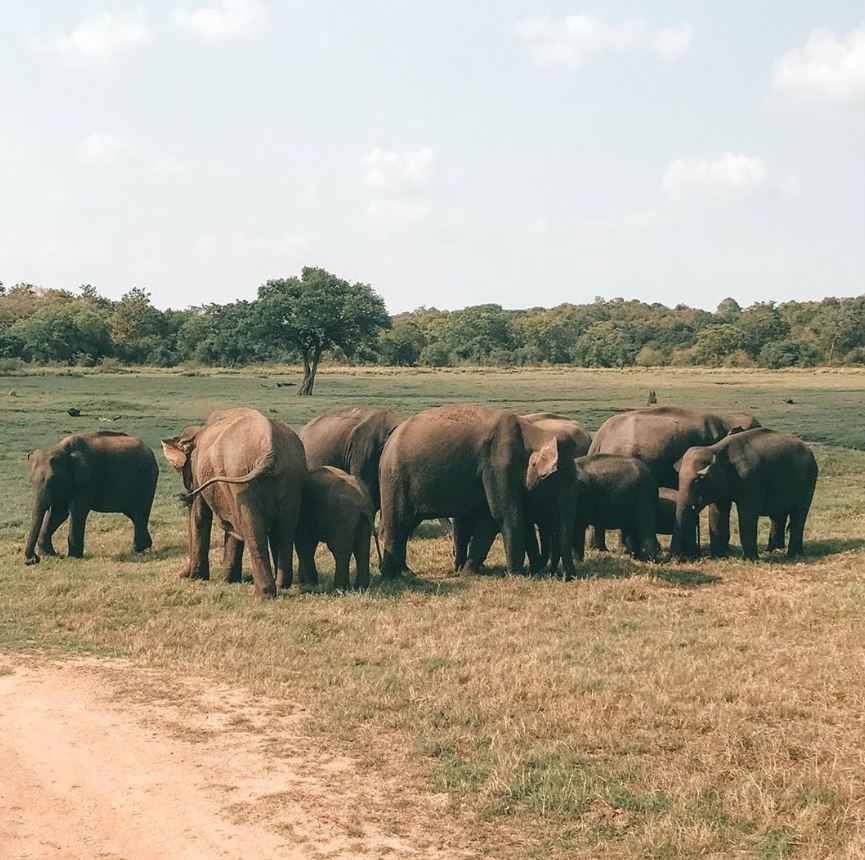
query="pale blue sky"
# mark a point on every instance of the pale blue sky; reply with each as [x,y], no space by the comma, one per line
[524,152]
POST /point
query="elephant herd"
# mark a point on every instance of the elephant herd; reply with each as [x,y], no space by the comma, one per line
[539,480]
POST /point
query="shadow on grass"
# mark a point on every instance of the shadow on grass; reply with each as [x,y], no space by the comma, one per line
[381,587]
[159,554]
[621,567]
[819,549]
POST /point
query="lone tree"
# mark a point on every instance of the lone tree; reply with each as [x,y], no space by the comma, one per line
[319,311]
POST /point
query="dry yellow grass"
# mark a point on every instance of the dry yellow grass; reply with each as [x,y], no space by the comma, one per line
[713,709]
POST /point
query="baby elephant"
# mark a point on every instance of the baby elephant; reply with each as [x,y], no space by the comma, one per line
[665,517]
[338,510]
[617,492]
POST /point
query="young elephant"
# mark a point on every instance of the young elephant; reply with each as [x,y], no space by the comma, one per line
[249,470]
[764,472]
[104,471]
[616,492]
[338,510]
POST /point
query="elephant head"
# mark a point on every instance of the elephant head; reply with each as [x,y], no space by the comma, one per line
[178,451]
[737,422]
[702,481]
[57,473]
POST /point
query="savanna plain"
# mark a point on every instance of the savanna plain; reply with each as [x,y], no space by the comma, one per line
[705,709]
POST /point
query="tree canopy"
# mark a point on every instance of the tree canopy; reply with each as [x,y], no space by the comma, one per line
[317,315]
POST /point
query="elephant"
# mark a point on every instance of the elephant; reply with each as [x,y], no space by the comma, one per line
[764,473]
[249,470]
[547,502]
[616,492]
[659,436]
[338,510]
[562,424]
[475,464]
[665,521]
[103,471]
[351,439]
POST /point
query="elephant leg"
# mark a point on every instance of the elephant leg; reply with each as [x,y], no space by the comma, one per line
[306,547]
[719,529]
[342,561]
[398,519]
[797,532]
[506,508]
[56,517]
[254,525]
[200,522]
[748,516]
[282,536]
[141,539]
[77,524]
[776,533]
[566,540]
[232,558]
[464,526]
[579,542]
[598,539]
[361,555]
[485,531]
[532,548]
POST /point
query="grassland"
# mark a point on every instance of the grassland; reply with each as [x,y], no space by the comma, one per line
[713,709]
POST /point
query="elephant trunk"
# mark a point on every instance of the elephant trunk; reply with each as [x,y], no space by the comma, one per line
[687,523]
[37,517]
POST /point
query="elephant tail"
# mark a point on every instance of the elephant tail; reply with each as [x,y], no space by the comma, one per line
[261,469]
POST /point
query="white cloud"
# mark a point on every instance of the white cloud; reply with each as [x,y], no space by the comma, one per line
[825,69]
[395,212]
[387,172]
[575,40]
[309,193]
[728,177]
[231,19]
[101,148]
[168,168]
[99,38]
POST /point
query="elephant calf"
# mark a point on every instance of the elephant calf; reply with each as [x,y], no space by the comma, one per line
[336,509]
[764,472]
[104,471]
[616,492]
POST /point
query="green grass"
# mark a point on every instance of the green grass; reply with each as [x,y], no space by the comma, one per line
[711,709]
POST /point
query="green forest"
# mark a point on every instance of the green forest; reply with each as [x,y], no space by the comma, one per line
[318,316]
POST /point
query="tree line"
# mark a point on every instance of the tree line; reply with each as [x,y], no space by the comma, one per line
[319,316]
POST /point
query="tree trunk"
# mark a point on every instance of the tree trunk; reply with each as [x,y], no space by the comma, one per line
[310,366]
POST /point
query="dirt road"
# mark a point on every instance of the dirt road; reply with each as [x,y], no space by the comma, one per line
[101,759]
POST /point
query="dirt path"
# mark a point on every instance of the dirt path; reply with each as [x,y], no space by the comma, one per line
[100,759]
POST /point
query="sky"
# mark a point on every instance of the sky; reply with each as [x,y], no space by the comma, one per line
[520,152]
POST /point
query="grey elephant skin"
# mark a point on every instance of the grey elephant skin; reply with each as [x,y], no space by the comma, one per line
[337,510]
[351,439]
[104,471]
[764,473]
[617,492]
[550,500]
[660,435]
[249,471]
[473,463]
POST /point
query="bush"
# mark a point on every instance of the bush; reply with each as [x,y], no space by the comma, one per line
[651,356]
[10,365]
[787,353]
[110,364]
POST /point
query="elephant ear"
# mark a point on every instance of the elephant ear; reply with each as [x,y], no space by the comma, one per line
[543,464]
[176,451]
[678,465]
[79,469]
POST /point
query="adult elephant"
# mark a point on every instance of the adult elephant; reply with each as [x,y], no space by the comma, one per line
[104,471]
[562,425]
[249,470]
[764,473]
[350,439]
[659,436]
[473,463]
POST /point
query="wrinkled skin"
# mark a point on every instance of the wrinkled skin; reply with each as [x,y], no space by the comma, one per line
[545,516]
[337,509]
[350,439]
[549,501]
[615,492]
[659,436]
[248,470]
[103,471]
[668,501]
[466,462]
[762,472]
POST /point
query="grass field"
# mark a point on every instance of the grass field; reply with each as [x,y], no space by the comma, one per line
[709,709]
